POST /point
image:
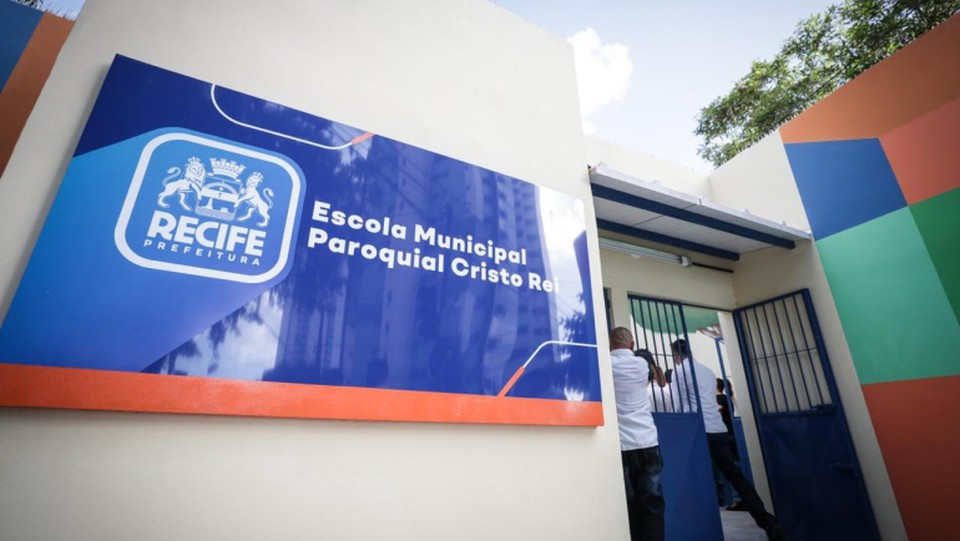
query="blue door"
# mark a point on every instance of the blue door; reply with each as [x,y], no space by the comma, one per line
[688,487]
[814,475]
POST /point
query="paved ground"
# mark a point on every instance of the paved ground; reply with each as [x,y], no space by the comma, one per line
[739,526]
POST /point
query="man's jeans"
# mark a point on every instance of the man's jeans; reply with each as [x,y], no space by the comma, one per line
[720,451]
[641,474]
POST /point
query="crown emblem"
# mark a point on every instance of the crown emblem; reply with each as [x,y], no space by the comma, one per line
[226,168]
[217,198]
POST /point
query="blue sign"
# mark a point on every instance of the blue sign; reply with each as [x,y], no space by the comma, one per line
[203,233]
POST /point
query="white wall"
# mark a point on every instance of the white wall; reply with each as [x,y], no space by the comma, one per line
[624,274]
[465,79]
[646,167]
[759,180]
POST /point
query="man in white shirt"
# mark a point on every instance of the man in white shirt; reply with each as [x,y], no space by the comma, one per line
[639,447]
[684,388]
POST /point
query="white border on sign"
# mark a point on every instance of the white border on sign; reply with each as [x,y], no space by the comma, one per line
[128,204]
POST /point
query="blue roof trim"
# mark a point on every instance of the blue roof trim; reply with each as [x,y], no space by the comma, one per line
[666,239]
[635,201]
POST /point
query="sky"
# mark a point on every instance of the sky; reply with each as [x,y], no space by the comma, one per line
[645,68]
[65,8]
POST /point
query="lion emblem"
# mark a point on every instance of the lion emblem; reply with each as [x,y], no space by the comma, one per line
[191,181]
[256,203]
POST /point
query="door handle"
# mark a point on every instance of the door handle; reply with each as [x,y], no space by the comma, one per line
[846,468]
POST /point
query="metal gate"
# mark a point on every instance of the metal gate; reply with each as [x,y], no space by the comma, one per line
[688,486]
[813,472]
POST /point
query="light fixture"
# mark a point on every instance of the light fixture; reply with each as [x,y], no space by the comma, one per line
[646,253]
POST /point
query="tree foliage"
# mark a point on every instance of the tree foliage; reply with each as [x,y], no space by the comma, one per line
[825,51]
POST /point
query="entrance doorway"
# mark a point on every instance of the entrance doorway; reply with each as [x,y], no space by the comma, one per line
[695,500]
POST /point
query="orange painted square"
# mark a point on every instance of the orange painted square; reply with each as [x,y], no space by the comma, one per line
[917,427]
[925,154]
[918,78]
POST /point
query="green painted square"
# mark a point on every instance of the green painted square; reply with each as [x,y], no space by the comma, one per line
[894,311]
[938,220]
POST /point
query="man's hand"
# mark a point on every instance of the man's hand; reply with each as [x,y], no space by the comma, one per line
[657,375]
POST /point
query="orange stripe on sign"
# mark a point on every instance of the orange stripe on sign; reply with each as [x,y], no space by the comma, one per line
[513,379]
[361,138]
[76,388]
[27,79]
[918,78]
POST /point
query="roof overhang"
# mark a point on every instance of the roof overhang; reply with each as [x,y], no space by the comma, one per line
[646,210]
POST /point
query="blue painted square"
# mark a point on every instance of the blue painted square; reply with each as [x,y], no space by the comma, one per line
[844,183]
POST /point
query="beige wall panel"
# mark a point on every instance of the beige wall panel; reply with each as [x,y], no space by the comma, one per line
[646,167]
[759,179]
[693,285]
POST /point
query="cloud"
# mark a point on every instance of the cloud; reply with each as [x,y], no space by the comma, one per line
[603,72]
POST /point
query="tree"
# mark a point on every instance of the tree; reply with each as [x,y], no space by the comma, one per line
[825,51]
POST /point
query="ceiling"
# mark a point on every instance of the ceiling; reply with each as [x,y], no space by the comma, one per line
[646,210]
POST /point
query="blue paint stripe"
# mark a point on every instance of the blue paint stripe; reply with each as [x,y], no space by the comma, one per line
[844,184]
[17,24]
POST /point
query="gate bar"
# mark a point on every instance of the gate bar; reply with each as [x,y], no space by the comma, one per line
[793,340]
[773,348]
[806,344]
